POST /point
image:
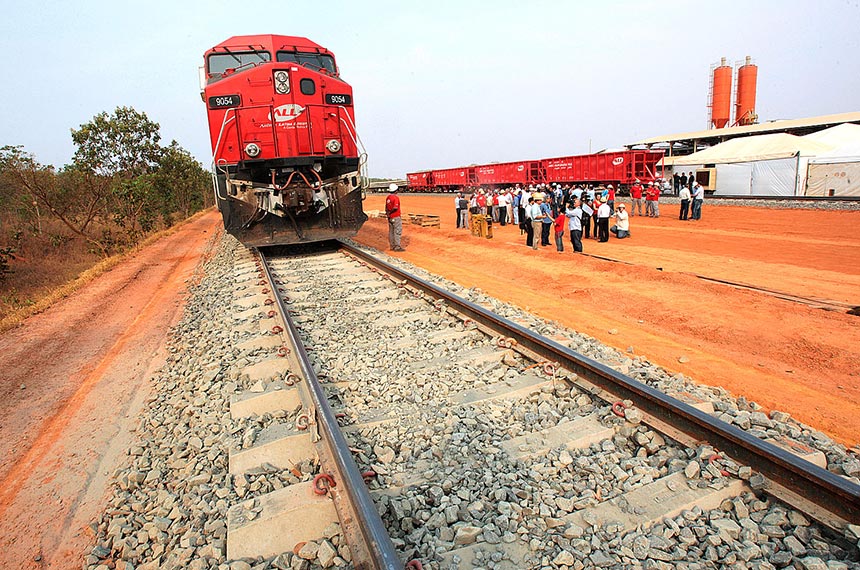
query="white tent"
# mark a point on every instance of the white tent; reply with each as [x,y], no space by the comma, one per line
[836,172]
[763,165]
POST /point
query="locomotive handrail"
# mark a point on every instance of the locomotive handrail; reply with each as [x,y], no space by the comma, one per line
[356,140]
[220,134]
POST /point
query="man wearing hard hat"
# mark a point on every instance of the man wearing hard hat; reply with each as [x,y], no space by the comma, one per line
[395,222]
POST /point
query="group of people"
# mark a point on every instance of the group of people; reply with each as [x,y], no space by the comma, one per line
[550,209]
[545,209]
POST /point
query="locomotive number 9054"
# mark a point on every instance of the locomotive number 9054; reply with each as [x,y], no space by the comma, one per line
[336,99]
[224,101]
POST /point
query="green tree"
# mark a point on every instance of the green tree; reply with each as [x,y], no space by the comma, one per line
[136,204]
[123,144]
[183,181]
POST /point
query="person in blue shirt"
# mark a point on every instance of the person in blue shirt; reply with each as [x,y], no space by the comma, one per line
[547,221]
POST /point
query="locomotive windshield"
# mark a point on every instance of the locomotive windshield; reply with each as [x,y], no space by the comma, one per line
[317,61]
[233,60]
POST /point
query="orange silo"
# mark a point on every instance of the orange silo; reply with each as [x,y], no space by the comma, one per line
[745,94]
[721,95]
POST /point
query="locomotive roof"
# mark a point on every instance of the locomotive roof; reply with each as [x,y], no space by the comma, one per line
[271,42]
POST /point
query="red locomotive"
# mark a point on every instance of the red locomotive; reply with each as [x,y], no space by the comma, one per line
[287,159]
[620,168]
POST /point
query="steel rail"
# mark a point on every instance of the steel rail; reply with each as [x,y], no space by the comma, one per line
[818,486]
[824,304]
[376,537]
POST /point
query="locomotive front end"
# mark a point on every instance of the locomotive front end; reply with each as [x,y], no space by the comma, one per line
[287,159]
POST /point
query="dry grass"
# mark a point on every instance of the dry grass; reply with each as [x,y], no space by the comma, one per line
[33,287]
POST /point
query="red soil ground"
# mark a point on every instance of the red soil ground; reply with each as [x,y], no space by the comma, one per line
[84,363]
[783,355]
[72,380]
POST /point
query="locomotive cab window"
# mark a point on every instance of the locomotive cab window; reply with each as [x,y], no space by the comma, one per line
[315,61]
[221,64]
[307,86]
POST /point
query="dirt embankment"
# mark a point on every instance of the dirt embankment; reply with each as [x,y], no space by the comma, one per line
[71,382]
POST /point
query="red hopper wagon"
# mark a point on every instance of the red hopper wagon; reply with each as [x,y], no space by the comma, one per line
[454,178]
[420,181]
[525,173]
[620,168]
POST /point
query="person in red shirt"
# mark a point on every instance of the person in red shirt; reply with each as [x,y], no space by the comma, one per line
[395,222]
[649,201]
[610,197]
[559,223]
[655,204]
[482,203]
[636,195]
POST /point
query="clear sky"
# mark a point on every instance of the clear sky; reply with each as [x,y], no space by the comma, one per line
[436,83]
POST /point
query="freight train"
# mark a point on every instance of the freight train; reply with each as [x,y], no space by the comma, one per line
[620,168]
[287,161]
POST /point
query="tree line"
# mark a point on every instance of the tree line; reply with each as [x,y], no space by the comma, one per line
[120,186]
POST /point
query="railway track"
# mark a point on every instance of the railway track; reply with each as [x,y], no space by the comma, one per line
[363,417]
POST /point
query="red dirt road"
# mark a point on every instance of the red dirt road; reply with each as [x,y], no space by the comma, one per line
[84,365]
[783,355]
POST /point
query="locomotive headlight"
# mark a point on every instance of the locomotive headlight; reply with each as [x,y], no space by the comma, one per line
[282,82]
[333,146]
[252,150]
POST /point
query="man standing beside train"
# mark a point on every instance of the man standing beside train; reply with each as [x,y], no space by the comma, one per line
[395,223]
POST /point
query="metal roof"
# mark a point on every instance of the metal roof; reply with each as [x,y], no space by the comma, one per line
[781,125]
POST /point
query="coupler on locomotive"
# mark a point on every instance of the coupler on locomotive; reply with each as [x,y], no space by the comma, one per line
[295,206]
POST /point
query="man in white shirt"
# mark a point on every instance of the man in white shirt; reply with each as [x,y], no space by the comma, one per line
[698,200]
[457,207]
[684,195]
[621,229]
[527,220]
[536,214]
[503,208]
[603,213]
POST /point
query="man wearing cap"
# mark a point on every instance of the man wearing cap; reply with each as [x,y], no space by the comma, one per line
[395,223]
[482,202]
[649,200]
[636,196]
[603,214]
[621,229]
[502,207]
